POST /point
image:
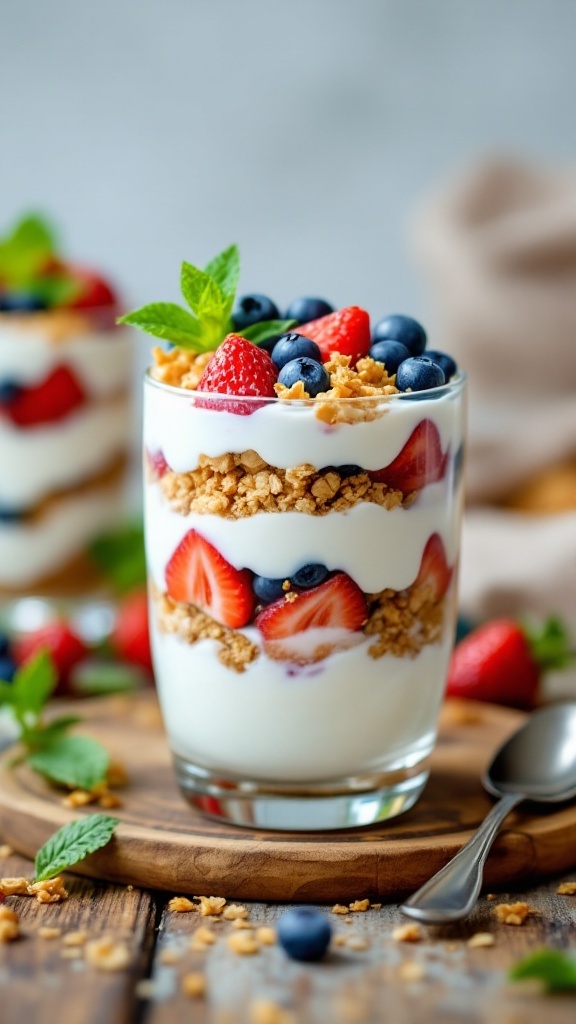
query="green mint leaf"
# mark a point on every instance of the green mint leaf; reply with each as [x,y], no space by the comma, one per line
[119,555]
[55,289]
[168,321]
[6,694]
[266,329]
[25,251]
[76,761]
[556,970]
[96,678]
[550,644]
[73,843]
[44,735]
[33,684]
[202,293]
[224,269]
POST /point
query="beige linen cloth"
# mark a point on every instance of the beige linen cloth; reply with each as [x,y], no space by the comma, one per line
[499,250]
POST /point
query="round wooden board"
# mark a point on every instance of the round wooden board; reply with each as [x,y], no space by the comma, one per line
[162,843]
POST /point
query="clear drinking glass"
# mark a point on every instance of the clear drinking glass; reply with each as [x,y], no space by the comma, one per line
[316,707]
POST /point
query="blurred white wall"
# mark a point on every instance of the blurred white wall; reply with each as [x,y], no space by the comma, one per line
[154,130]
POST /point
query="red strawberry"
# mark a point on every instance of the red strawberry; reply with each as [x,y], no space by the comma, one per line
[94,290]
[337,603]
[57,396]
[239,368]
[131,636]
[503,663]
[434,570]
[419,463]
[198,574]
[156,463]
[346,331]
[65,647]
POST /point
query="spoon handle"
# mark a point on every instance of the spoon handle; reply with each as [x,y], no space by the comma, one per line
[453,891]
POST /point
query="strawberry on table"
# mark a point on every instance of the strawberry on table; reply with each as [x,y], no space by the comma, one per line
[434,570]
[420,462]
[239,368]
[62,643]
[198,574]
[131,635]
[346,331]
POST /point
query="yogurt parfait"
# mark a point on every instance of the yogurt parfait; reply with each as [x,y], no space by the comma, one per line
[303,497]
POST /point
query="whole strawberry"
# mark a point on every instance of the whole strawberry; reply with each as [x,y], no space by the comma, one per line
[503,662]
[238,368]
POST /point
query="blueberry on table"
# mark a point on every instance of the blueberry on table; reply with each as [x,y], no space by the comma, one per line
[9,391]
[7,669]
[304,933]
[401,328]
[306,309]
[310,576]
[419,374]
[251,309]
[446,362]
[20,302]
[268,590]
[312,374]
[291,346]
[391,353]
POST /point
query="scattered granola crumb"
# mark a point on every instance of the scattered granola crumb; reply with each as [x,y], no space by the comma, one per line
[117,776]
[205,935]
[109,801]
[51,890]
[5,851]
[45,932]
[78,798]
[410,970]
[9,930]
[339,940]
[129,888]
[265,935]
[264,1011]
[480,939]
[235,911]
[7,914]
[243,943]
[339,908]
[145,988]
[108,954]
[376,906]
[512,913]
[168,957]
[70,953]
[360,906]
[75,938]
[181,905]
[566,889]
[211,906]
[14,886]
[240,923]
[492,896]
[193,985]
[407,933]
[356,942]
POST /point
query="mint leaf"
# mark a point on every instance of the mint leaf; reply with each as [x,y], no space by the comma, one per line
[96,678]
[26,250]
[33,684]
[73,843]
[550,644]
[556,970]
[201,293]
[168,321]
[266,329]
[55,289]
[224,269]
[119,555]
[42,736]
[76,761]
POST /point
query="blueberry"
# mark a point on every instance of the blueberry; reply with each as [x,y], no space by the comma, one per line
[307,309]
[4,645]
[404,329]
[268,590]
[419,374]
[291,346]
[9,390]
[251,309]
[463,627]
[304,933]
[349,470]
[309,576]
[20,302]
[312,374]
[11,515]
[7,669]
[444,361]
[391,353]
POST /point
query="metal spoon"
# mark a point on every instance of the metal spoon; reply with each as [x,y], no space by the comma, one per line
[537,763]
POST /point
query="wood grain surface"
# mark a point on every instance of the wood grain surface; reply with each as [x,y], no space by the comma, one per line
[163,844]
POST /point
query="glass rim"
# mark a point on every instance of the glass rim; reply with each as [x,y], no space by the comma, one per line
[453,386]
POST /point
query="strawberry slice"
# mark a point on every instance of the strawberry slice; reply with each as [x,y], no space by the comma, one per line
[238,368]
[198,574]
[57,396]
[434,570]
[337,603]
[419,463]
[346,331]
[156,463]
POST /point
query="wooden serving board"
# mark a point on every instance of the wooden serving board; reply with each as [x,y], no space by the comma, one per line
[163,844]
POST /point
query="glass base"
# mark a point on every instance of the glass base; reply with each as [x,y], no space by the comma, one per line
[304,807]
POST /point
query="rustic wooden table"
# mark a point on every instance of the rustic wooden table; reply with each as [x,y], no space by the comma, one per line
[438,980]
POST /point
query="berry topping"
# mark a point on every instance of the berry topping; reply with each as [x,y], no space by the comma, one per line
[4,645]
[9,391]
[312,374]
[445,362]
[419,463]
[131,637]
[8,514]
[309,576]
[156,463]
[198,574]
[267,589]
[20,302]
[304,933]
[346,331]
[251,309]
[434,571]
[391,353]
[239,368]
[306,309]
[293,346]
[62,643]
[8,669]
[338,602]
[404,329]
[94,290]
[420,373]
[349,470]
[57,396]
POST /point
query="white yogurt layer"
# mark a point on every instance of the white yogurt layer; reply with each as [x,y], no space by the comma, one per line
[344,716]
[102,361]
[31,551]
[40,460]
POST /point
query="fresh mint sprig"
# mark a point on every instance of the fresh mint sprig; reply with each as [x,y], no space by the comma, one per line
[72,843]
[209,295]
[554,969]
[76,761]
[25,254]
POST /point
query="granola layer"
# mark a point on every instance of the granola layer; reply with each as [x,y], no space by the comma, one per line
[192,624]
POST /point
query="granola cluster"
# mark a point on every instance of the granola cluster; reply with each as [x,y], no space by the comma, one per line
[192,624]
[369,380]
[238,485]
[179,367]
